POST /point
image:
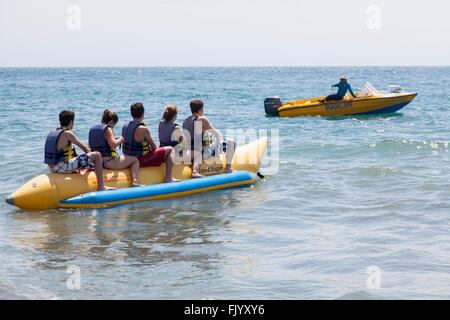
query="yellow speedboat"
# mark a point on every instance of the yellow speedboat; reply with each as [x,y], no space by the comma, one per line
[47,190]
[368,101]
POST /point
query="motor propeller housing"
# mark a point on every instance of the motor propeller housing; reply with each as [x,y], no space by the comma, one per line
[271,105]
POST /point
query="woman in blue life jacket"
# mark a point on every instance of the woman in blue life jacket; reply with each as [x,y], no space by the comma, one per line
[170,133]
[102,139]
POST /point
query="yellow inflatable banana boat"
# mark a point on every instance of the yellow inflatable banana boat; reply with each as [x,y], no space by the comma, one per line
[47,190]
[368,101]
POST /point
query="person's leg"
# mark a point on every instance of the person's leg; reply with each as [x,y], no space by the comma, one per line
[169,164]
[333,97]
[196,158]
[330,97]
[229,148]
[134,170]
[124,162]
[96,159]
[156,157]
[195,171]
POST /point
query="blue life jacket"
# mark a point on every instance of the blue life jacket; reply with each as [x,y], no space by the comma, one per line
[165,131]
[130,146]
[51,154]
[98,142]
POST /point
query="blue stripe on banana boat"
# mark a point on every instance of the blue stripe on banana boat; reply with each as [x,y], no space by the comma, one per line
[159,191]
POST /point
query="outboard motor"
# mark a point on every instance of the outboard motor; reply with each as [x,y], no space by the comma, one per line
[271,105]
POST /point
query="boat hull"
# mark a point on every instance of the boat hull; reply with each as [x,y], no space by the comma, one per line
[160,191]
[47,190]
[382,103]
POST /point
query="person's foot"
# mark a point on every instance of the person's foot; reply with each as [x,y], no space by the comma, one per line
[137,184]
[172,180]
[228,169]
[105,188]
[197,175]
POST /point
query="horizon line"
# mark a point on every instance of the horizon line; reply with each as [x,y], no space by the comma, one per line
[228,66]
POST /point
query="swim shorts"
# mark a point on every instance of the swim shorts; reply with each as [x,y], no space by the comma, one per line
[154,158]
[216,149]
[81,162]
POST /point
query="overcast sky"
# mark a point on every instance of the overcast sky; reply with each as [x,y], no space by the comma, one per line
[224,32]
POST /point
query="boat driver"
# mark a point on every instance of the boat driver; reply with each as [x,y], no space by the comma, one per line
[342,86]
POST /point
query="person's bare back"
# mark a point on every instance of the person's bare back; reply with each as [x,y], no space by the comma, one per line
[142,133]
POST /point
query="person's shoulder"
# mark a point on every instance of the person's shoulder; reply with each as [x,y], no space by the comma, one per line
[142,128]
[202,118]
[68,134]
[206,123]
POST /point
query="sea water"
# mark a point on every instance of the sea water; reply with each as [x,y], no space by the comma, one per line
[350,207]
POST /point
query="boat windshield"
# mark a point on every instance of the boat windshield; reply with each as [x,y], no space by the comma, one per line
[367,91]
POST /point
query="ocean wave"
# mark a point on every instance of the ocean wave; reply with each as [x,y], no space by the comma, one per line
[411,144]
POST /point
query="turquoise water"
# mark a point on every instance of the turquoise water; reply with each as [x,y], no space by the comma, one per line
[351,194]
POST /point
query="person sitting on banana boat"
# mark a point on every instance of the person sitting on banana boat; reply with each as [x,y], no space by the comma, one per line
[102,139]
[61,157]
[170,133]
[342,86]
[201,131]
[139,143]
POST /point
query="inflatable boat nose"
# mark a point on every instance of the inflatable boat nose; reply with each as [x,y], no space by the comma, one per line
[10,200]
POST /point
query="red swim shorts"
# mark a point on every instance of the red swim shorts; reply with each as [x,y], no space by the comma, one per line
[154,158]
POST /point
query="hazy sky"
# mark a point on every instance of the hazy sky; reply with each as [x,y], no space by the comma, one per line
[224,32]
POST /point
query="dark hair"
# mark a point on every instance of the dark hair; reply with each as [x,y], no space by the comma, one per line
[108,116]
[196,105]
[170,112]
[137,110]
[65,117]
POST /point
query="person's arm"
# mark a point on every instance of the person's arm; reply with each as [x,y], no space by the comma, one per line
[351,91]
[207,126]
[148,137]
[72,138]
[112,141]
[337,85]
[177,134]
